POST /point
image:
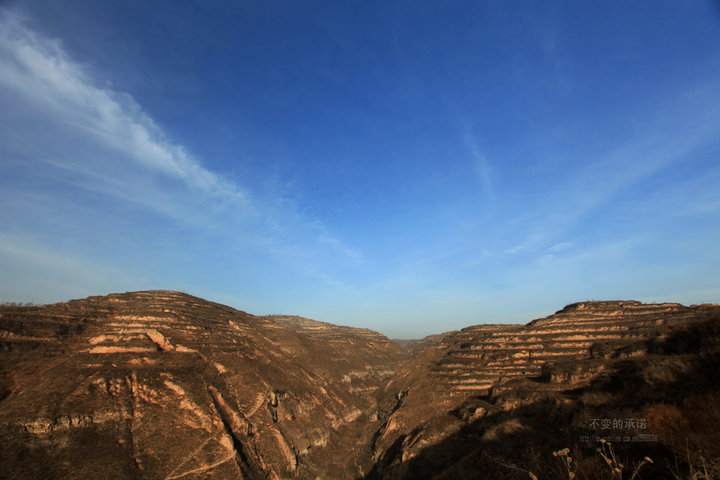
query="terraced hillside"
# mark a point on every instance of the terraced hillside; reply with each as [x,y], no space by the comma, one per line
[162,384]
[367,359]
[485,369]
[165,385]
[481,356]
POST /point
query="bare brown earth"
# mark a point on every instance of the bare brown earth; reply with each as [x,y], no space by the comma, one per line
[164,385]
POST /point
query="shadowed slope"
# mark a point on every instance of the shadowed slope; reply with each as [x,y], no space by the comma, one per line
[667,402]
[165,385]
[467,375]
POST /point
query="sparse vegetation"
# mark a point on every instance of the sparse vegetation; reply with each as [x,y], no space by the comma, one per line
[18,304]
[534,425]
[614,469]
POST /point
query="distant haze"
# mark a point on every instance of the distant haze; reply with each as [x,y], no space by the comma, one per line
[408,167]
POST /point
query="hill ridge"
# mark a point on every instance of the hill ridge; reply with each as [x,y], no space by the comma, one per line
[281,396]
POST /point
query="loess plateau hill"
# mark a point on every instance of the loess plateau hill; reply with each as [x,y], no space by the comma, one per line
[164,385]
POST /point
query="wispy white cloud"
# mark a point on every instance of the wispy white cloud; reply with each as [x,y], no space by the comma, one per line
[560,247]
[522,248]
[591,185]
[40,71]
[79,149]
[529,244]
[481,163]
[339,246]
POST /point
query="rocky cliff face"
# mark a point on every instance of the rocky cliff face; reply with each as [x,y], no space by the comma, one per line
[165,385]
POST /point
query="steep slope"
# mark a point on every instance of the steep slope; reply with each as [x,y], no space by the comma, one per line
[161,384]
[485,369]
[364,359]
[656,411]
[165,385]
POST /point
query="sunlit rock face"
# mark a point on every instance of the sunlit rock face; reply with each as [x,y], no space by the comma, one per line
[165,385]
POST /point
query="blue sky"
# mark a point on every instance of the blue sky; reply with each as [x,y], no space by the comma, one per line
[410,167]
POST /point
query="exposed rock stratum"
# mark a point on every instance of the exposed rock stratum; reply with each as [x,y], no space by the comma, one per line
[164,385]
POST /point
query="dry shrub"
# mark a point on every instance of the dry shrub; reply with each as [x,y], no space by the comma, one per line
[690,430]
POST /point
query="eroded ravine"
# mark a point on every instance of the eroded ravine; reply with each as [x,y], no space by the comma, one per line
[161,384]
